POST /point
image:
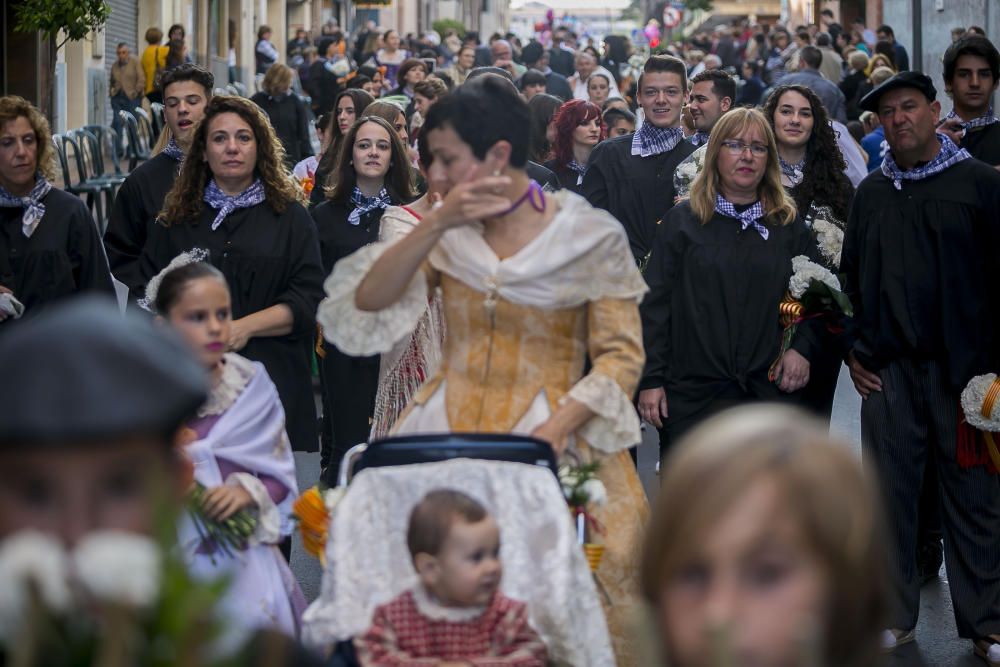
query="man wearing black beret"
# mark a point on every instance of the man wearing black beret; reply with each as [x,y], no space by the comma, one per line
[919,260]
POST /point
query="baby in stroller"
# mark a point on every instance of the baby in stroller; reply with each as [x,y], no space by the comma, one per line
[369,567]
[456,614]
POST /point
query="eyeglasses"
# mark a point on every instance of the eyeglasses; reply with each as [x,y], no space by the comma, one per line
[736,148]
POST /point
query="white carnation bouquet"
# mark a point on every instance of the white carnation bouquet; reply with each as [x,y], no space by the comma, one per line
[829,233]
[981,408]
[687,171]
[813,292]
[114,599]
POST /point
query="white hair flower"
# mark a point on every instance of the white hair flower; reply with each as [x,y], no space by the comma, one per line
[804,271]
[148,302]
[595,491]
[119,567]
[972,404]
[829,236]
[36,558]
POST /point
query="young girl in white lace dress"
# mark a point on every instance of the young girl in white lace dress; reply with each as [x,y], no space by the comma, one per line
[239,449]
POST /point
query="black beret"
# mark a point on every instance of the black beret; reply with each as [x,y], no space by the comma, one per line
[921,82]
[81,372]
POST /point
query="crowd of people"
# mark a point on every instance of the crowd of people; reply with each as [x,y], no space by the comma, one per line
[554,239]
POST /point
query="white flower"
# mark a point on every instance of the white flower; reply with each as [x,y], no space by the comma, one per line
[972,403]
[332,498]
[804,271]
[119,567]
[595,492]
[31,556]
[830,238]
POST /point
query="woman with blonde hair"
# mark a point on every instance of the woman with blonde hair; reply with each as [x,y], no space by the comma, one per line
[758,505]
[235,198]
[287,112]
[719,268]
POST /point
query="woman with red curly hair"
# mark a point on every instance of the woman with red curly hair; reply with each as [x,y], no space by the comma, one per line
[578,128]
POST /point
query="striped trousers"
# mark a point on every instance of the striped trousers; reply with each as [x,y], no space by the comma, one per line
[914,417]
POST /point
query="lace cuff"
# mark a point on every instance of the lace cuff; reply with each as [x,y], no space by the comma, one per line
[360,332]
[268,516]
[615,424]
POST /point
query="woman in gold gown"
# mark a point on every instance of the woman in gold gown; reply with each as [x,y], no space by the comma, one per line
[533,284]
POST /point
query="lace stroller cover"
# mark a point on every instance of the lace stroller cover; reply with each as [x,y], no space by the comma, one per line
[368,563]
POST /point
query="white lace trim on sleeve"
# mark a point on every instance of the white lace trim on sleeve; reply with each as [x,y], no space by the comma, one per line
[268,517]
[615,424]
[359,332]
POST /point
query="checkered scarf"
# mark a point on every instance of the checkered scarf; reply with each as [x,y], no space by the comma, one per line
[748,218]
[651,140]
[579,169]
[33,207]
[363,204]
[173,150]
[794,172]
[225,204]
[986,119]
[699,138]
[949,155]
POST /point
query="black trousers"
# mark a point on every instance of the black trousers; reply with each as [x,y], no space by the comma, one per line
[915,418]
[349,388]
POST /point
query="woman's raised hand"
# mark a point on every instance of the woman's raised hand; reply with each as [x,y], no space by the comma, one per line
[472,201]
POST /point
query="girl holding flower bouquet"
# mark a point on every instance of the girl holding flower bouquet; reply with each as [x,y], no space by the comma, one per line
[719,269]
[243,465]
[812,171]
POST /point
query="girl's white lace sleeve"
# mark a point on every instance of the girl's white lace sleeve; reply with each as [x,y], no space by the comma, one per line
[615,424]
[268,516]
[360,332]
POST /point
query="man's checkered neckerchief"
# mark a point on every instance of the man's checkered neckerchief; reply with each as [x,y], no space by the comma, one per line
[651,140]
[699,138]
[173,150]
[748,218]
[949,155]
[986,119]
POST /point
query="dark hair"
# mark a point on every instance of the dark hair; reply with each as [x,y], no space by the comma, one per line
[358,82]
[361,101]
[445,78]
[482,113]
[404,69]
[976,30]
[824,181]
[398,180]
[614,115]
[121,44]
[532,78]
[723,85]
[183,204]
[886,29]
[177,26]
[541,109]
[263,30]
[662,63]
[971,45]
[188,72]
[886,49]
[804,35]
[571,115]
[175,52]
[755,67]
[811,56]
[856,129]
[477,72]
[173,284]
[823,39]
[432,518]
[154,36]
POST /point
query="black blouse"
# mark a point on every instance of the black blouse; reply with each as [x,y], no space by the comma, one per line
[984,144]
[568,179]
[138,202]
[290,121]
[710,319]
[636,190]
[61,258]
[268,258]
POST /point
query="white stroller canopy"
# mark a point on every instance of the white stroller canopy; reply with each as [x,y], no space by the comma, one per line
[368,562]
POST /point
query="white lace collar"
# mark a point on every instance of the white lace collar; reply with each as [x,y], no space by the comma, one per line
[434,610]
[237,372]
[583,255]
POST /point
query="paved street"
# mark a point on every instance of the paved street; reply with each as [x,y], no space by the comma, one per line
[937,642]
